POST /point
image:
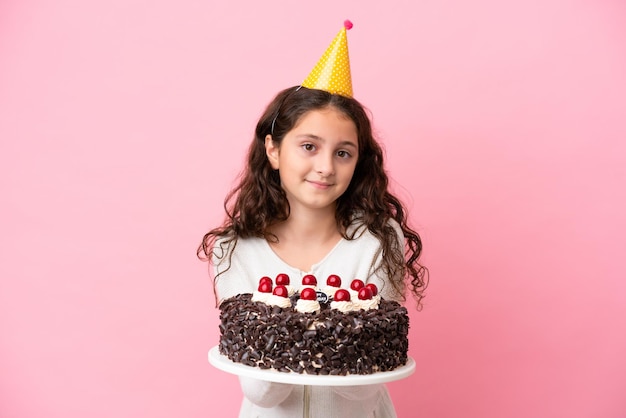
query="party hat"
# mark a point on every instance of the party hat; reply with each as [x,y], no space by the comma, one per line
[332,71]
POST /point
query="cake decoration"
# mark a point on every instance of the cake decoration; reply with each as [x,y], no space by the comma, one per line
[333,282]
[357,332]
[308,301]
[359,296]
[355,286]
[365,293]
[283,280]
[374,290]
[279,297]
[342,301]
[309,280]
[264,291]
[305,340]
[365,299]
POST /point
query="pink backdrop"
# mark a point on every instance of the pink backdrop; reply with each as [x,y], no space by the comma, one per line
[123,123]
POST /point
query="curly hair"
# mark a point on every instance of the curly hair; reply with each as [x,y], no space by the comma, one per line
[258,201]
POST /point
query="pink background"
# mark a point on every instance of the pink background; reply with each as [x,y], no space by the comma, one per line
[124,122]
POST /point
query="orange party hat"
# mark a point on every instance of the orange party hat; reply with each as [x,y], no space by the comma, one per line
[332,71]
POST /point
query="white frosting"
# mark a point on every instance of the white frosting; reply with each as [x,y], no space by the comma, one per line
[279,301]
[260,296]
[330,290]
[354,295]
[366,304]
[343,306]
[290,289]
[307,306]
[304,286]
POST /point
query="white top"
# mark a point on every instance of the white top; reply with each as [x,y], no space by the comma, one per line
[252,259]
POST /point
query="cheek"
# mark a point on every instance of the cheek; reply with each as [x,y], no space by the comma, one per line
[350,169]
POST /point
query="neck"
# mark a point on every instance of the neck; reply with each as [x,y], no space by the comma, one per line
[312,227]
[306,237]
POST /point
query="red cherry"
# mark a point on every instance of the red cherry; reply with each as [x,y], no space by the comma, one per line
[309,280]
[373,288]
[282,279]
[356,284]
[365,293]
[341,295]
[265,287]
[333,280]
[281,291]
[308,294]
[265,279]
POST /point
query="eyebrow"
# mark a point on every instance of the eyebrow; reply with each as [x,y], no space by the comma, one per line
[318,138]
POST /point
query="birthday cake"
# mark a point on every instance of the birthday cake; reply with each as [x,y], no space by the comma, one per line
[317,330]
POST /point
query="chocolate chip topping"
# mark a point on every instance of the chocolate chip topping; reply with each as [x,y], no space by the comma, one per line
[328,343]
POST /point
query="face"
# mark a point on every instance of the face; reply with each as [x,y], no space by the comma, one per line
[316,159]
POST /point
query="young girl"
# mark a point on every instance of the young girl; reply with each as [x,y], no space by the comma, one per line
[314,199]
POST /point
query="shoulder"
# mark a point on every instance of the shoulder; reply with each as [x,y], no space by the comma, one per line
[397,228]
[226,247]
[226,244]
[358,229]
[237,262]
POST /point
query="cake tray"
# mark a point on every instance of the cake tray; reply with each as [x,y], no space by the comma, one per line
[225,364]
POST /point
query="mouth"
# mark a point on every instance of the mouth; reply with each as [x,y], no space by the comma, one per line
[319,184]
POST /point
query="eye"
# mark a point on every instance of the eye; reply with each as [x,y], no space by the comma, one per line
[308,147]
[343,154]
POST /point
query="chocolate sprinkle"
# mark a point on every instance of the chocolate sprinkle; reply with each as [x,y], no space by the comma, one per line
[328,343]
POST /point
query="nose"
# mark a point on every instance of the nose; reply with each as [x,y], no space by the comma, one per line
[324,165]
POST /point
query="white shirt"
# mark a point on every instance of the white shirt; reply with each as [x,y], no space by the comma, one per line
[252,259]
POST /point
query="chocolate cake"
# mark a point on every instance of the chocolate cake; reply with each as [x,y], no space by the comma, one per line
[323,342]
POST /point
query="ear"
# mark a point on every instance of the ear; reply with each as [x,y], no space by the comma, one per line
[272,151]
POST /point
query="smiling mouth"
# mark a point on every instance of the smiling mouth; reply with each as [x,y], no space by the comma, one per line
[320,184]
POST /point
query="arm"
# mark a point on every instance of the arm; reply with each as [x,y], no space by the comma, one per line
[264,394]
[383,281]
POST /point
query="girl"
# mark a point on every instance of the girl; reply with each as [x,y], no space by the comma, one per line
[314,199]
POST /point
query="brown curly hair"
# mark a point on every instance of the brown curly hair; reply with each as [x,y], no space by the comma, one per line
[258,201]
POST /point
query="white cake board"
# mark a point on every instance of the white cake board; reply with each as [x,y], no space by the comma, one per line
[225,364]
